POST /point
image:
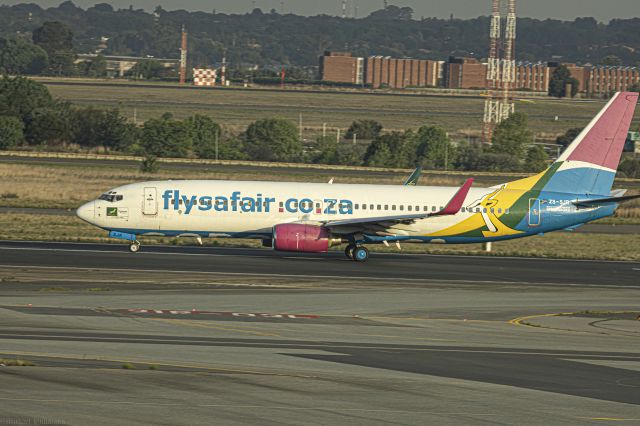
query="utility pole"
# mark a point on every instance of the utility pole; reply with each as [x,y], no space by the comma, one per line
[338,135]
[217,136]
[324,130]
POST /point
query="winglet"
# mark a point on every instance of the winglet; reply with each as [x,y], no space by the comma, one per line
[454,206]
[415,176]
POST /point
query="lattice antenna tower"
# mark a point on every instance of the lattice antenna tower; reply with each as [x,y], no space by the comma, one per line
[501,66]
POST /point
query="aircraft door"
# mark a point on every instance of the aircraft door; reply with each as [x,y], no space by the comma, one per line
[535,213]
[150,206]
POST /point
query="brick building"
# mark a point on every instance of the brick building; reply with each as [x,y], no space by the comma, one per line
[400,73]
[465,73]
[341,67]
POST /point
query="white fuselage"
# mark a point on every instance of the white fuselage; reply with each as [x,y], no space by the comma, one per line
[251,209]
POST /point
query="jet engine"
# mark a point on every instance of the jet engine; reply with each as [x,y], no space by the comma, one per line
[303,238]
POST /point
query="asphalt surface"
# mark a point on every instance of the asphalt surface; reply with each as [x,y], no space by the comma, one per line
[389,267]
[189,335]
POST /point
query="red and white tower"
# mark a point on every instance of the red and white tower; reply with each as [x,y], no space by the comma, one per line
[501,69]
[183,57]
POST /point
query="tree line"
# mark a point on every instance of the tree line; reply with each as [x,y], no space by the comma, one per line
[269,38]
[31,117]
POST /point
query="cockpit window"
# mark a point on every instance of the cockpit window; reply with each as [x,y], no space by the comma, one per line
[110,197]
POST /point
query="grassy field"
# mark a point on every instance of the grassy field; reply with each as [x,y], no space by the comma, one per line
[554,245]
[237,108]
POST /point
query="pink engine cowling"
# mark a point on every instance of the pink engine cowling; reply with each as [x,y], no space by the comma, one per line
[302,238]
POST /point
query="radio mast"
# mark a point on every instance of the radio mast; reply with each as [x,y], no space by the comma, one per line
[501,69]
[183,57]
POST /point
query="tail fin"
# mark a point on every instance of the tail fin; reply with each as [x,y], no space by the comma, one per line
[589,164]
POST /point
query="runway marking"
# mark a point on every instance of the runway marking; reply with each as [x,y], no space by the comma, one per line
[305,276]
[609,419]
[519,320]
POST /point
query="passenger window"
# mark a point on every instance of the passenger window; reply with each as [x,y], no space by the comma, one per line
[433,208]
[410,208]
[478,210]
[386,207]
[499,211]
[119,197]
[401,208]
[425,208]
[393,207]
[371,207]
[493,210]
[356,206]
[379,207]
[364,207]
[484,210]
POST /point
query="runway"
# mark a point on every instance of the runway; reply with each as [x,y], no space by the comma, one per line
[265,262]
[190,335]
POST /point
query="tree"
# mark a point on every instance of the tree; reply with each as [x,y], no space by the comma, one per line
[94,127]
[558,84]
[392,150]
[96,67]
[364,129]
[326,150]
[11,132]
[20,97]
[56,39]
[205,134]
[165,137]
[50,126]
[273,140]
[569,136]
[20,57]
[536,160]
[434,149]
[512,136]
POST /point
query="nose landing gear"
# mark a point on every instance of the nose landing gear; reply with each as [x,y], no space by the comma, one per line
[134,247]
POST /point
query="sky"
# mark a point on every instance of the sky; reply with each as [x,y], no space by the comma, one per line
[602,10]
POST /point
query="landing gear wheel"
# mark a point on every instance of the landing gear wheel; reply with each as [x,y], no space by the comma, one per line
[348,251]
[134,247]
[360,254]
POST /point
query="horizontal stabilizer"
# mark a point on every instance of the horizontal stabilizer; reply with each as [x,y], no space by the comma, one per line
[605,201]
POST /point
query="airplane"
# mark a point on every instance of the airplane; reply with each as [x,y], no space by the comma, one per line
[313,217]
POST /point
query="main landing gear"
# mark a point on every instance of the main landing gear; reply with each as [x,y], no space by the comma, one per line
[357,253]
[134,247]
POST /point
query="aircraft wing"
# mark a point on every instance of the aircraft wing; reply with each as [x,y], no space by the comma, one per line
[383,224]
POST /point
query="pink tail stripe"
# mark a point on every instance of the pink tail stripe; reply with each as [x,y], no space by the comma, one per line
[602,142]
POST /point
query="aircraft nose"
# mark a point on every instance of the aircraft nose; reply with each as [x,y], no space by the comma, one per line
[87,211]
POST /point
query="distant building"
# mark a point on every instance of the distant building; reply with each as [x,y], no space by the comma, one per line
[341,67]
[465,73]
[118,66]
[400,73]
[632,144]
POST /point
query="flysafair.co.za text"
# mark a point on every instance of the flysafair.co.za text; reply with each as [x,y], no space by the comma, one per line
[236,202]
